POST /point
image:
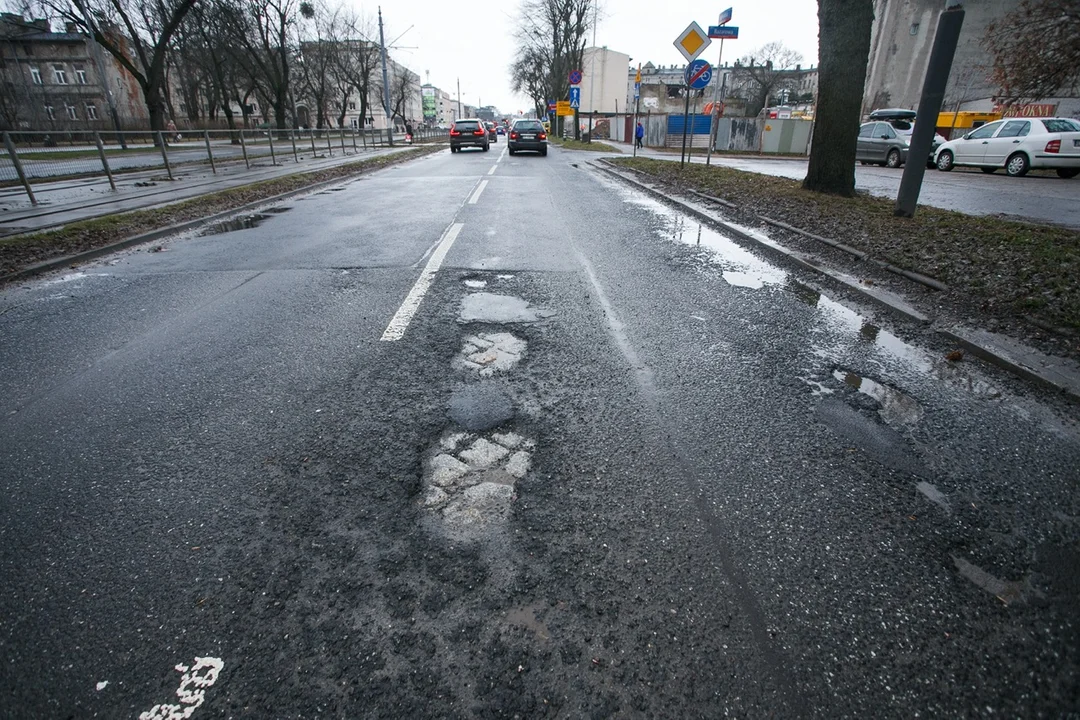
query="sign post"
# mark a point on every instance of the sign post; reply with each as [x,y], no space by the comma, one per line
[723,33]
[691,42]
[637,105]
[698,74]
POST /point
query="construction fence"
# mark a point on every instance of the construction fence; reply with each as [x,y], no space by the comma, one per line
[33,157]
[733,134]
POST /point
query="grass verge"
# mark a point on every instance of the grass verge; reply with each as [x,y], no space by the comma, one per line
[24,250]
[571,144]
[1012,270]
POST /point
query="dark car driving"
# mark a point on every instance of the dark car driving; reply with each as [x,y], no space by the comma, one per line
[468,132]
[527,135]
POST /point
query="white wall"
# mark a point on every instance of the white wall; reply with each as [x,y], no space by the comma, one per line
[603,84]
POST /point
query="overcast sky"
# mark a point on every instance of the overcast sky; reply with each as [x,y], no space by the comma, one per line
[474,41]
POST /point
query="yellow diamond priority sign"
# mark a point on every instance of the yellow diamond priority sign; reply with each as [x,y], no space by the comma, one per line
[692,41]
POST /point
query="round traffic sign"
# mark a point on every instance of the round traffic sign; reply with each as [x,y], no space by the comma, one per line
[698,74]
[575,77]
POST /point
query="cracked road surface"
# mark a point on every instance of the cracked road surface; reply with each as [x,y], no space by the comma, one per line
[493,436]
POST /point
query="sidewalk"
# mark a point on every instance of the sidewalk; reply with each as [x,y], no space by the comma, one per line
[67,201]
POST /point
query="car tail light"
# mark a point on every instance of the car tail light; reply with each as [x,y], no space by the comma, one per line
[513,135]
[454,133]
[1054,146]
[479,132]
[542,136]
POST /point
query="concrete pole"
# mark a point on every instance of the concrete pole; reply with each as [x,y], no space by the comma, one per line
[714,119]
[933,92]
[386,84]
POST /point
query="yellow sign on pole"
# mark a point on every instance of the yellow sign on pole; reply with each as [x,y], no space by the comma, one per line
[692,41]
[562,107]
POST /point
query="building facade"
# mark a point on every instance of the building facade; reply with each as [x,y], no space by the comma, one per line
[603,77]
[50,82]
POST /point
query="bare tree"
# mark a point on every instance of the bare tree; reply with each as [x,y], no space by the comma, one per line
[137,33]
[1036,50]
[265,31]
[552,34]
[528,76]
[764,73]
[356,64]
[404,84]
[844,48]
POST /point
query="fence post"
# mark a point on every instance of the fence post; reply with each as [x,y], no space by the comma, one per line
[19,168]
[312,136]
[353,133]
[243,148]
[343,140]
[164,153]
[292,137]
[329,149]
[104,162]
[209,153]
[270,138]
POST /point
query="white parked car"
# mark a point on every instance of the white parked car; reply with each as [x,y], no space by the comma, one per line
[1018,145]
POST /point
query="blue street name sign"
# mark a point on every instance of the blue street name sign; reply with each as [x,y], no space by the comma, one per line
[725,17]
[724,32]
[575,97]
[698,74]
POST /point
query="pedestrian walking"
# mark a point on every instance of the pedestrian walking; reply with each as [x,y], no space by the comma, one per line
[639,133]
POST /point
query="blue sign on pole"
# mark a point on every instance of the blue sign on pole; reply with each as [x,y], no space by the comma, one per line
[698,74]
[575,96]
[724,32]
[725,17]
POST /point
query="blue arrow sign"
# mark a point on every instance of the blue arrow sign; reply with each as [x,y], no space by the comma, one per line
[575,97]
[724,32]
[698,74]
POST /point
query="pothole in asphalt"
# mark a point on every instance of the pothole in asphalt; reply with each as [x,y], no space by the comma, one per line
[898,410]
[488,307]
[488,353]
[481,406]
[469,479]
[244,222]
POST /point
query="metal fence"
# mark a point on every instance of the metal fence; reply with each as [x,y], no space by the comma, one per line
[29,158]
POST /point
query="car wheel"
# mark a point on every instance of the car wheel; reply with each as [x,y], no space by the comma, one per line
[486,148]
[944,161]
[893,158]
[1017,165]
[863,162]
[1068,172]
[453,149]
[989,170]
[513,152]
[543,153]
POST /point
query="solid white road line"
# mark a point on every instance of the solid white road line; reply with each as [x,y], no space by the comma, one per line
[400,322]
[476,194]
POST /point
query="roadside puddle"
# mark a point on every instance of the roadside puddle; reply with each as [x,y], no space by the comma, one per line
[244,222]
[899,411]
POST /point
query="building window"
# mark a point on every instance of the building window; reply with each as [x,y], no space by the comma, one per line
[35,75]
[72,115]
[80,76]
[914,28]
[59,75]
[50,112]
[352,106]
[91,112]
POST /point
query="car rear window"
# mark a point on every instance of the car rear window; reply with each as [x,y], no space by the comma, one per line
[1061,125]
[529,127]
[465,125]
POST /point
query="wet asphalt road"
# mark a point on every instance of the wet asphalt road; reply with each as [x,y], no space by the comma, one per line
[667,477]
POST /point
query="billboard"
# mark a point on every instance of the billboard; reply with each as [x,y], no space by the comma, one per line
[427,102]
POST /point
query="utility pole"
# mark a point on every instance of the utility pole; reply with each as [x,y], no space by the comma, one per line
[386,85]
[99,64]
[459,98]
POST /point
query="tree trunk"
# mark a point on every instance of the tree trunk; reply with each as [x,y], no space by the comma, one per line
[844,42]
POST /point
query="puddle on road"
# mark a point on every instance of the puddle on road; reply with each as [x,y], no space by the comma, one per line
[244,222]
[488,307]
[475,284]
[277,210]
[898,410]
[73,277]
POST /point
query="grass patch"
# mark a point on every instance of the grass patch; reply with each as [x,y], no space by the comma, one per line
[23,250]
[1012,269]
[571,144]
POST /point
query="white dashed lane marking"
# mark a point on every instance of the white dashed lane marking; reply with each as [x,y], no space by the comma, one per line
[400,322]
[492,170]
[476,194]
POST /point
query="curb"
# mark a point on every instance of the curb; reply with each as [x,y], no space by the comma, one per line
[87,255]
[999,350]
